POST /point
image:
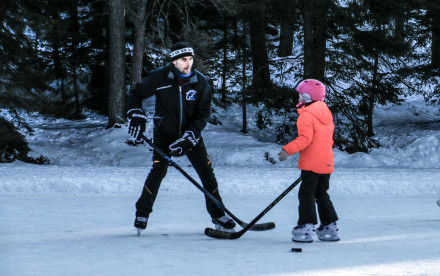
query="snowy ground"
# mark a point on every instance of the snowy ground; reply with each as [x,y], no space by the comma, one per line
[74,216]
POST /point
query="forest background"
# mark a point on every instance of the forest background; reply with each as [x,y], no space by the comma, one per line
[61,58]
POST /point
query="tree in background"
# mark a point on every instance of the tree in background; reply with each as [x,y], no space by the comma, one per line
[433,8]
[315,17]
[257,32]
[424,76]
[285,10]
[22,78]
[22,70]
[117,90]
[137,15]
[364,63]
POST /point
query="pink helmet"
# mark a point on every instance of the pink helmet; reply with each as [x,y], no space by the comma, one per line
[310,90]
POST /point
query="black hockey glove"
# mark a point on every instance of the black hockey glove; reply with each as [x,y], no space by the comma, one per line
[137,121]
[184,144]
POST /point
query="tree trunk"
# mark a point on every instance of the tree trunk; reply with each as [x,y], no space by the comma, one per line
[372,97]
[117,95]
[74,28]
[138,17]
[260,59]
[176,21]
[286,38]
[435,15]
[373,91]
[55,41]
[76,107]
[225,59]
[315,31]
[399,30]
[286,28]
[244,80]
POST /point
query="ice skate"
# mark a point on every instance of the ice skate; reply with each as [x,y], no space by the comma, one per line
[303,233]
[225,224]
[328,232]
[141,224]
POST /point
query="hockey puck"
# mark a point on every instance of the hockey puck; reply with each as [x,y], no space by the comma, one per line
[297,249]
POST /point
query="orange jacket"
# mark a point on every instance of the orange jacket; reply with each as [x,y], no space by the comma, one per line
[315,139]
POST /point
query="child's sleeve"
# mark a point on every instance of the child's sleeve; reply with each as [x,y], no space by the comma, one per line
[305,135]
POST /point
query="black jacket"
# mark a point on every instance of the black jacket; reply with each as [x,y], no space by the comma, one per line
[179,108]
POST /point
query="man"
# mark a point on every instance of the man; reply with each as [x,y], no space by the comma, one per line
[182,109]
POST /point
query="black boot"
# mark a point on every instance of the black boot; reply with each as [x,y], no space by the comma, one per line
[141,224]
[224,223]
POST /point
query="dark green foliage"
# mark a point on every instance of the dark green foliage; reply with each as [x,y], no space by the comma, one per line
[20,65]
[365,59]
[281,102]
[13,145]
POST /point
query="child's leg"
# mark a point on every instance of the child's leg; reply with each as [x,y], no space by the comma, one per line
[306,196]
[327,213]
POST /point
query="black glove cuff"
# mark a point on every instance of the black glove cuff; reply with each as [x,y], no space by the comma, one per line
[136,112]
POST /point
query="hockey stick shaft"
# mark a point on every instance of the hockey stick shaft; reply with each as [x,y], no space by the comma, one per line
[254,227]
[232,236]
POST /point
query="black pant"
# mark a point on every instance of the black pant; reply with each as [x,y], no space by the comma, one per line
[199,159]
[313,190]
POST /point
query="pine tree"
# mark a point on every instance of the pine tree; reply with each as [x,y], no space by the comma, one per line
[365,56]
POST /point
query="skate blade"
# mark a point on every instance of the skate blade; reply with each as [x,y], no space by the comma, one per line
[329,239]
[139,231]
[302,239]
[221,228]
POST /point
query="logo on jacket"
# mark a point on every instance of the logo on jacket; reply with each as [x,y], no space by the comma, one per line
[190,95]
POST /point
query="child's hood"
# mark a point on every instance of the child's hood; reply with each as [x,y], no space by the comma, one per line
[320,111]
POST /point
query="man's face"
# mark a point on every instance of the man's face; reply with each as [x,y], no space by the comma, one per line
[184,64]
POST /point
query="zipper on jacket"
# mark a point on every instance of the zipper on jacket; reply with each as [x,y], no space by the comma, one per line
[181,111]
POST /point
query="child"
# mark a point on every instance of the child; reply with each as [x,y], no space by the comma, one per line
[314,142]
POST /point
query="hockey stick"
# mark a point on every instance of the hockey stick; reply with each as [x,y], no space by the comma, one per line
[253,227]
[217,234]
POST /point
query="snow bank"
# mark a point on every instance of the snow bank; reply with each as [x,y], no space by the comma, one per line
[87,158]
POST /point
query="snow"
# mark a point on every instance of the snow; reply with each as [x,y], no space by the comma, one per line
[75,215]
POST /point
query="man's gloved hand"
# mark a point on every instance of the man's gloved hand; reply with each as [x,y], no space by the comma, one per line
[282,155]
[137,121]
[184,144]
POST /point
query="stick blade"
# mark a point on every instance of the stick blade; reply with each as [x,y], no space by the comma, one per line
[217,234]
[262,226]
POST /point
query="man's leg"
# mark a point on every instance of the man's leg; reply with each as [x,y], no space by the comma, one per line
[200,160]
[144,205]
